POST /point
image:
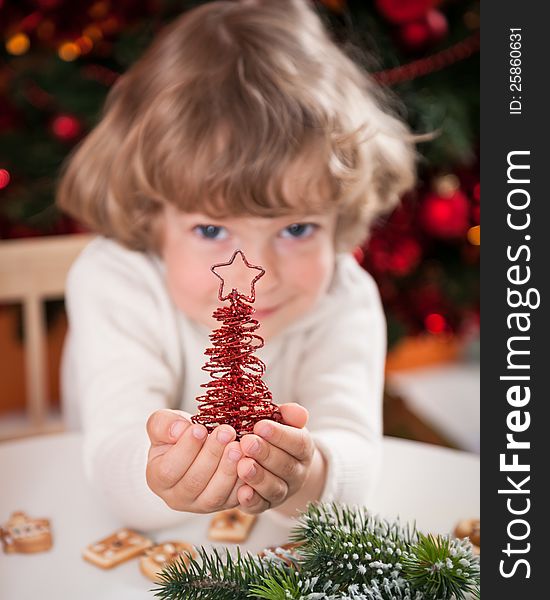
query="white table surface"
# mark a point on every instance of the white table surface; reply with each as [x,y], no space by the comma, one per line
[43,476]
[445,396]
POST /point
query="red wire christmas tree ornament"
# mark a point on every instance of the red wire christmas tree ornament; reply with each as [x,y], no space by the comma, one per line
[236,394]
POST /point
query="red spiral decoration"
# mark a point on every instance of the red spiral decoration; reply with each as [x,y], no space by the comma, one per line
[236,394]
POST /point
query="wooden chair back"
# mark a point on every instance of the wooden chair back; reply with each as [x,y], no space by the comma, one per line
[34,270]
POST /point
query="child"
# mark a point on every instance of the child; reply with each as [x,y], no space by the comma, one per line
[243,126]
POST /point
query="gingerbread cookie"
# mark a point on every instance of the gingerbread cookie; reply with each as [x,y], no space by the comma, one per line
[158,557]
[231,526]
[25,535]
[116,548]
[470,528]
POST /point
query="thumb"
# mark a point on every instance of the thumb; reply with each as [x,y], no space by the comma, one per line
[165,426]
[294,414]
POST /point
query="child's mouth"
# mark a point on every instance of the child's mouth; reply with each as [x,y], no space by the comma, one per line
[265,312]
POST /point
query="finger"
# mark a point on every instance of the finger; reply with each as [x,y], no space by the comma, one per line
[166,426]
[296,442]
[269,486]
[294,414]
[233,499]
[204,466]
[277,461]
[250,501]
[166,470]
[222,484]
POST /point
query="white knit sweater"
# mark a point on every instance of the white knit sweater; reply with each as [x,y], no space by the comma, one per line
[130,352]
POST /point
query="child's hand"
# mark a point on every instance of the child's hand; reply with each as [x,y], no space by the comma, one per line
[190,470]
[281,460]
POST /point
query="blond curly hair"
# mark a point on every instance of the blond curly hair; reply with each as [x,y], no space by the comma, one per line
[240,108]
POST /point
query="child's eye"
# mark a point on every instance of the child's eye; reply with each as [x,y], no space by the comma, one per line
[299,230]
[211,232]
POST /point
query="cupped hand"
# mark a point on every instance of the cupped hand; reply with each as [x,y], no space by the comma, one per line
[277,459]
[189,469]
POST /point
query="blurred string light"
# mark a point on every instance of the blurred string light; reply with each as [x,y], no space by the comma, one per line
[68,51]
[4,178]
[18,44]
[474,235]
[98,10]
[93,32]
[85,44]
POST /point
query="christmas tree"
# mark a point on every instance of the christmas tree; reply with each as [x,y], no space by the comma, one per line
[236,394]
[340,553]
[60,58]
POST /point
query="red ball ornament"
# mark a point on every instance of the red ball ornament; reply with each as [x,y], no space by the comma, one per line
[404,11]
[415,35]
[445,217]
[405,256]
[437,25]
[4,178]
[476,192]
[66,127]
[394,255]
[435,323]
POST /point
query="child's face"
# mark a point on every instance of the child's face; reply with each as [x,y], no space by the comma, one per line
[296,251]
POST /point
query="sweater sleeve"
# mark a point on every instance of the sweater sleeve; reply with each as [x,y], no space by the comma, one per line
[341,383]
[119,375]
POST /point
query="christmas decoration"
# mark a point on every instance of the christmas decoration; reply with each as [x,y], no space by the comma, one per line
[404,11]
[425,66]
[418,257]
[236,394]
[445,217]
[415,35]
[437,23]
[66,127]
[430,29]
[338,552]
[4,178]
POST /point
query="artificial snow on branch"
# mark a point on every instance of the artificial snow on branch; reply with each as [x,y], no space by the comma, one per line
[343,553]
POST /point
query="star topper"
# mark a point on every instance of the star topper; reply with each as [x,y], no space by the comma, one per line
[252,296]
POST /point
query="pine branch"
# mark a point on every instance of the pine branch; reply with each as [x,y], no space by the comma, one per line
[345,553]
[442,568]
[211,577]
[279,586]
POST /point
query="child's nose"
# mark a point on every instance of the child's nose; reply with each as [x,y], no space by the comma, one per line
[266,259]
[271,280]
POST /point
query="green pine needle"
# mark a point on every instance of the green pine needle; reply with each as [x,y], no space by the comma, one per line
[344,552]
[442,568]
[211,577]
[278,586]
